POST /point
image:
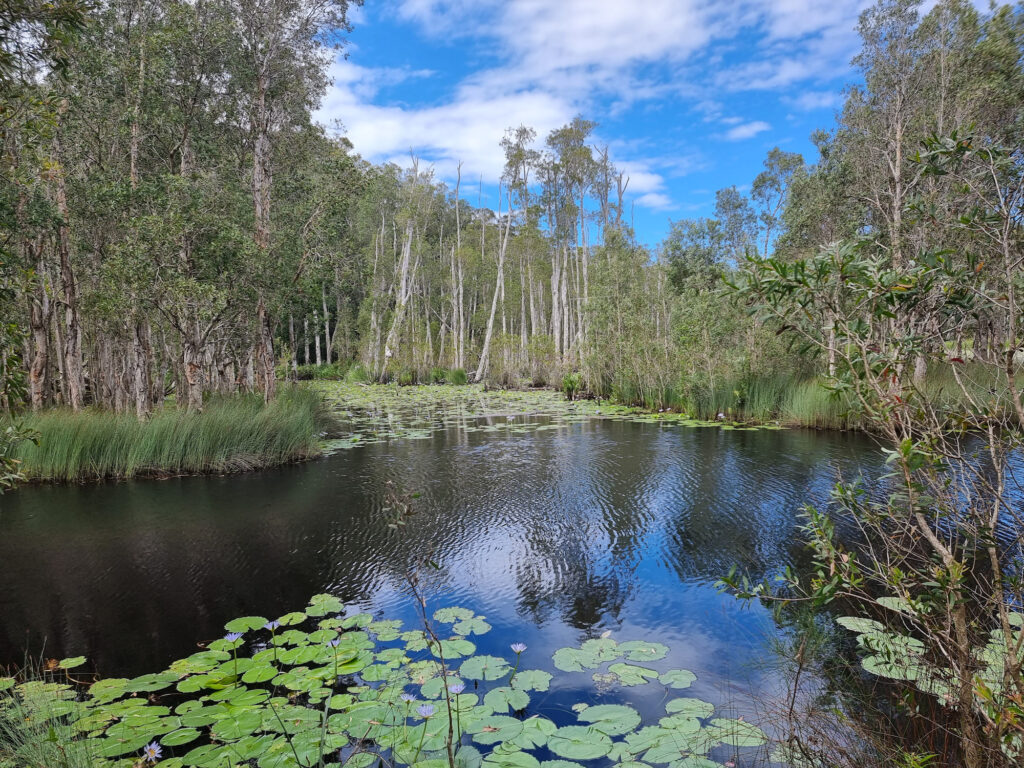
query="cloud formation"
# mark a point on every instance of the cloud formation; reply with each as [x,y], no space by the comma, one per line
[539,63]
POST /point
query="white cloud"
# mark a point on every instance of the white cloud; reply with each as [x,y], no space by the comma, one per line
[746,130]
[548,60]
[809,101]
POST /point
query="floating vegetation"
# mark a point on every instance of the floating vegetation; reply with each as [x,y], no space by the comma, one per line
[380,412]
[315,687]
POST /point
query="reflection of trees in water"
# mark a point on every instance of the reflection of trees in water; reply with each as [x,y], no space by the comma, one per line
[560,522]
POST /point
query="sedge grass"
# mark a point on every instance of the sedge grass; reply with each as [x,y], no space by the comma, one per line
[231,434]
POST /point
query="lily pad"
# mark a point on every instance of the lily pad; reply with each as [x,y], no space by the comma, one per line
[576,742]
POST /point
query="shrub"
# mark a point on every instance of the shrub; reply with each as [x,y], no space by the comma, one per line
[438,375]
[572,384]
[457,376]
[357,374]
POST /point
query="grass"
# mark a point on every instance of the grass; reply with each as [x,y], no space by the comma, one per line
[232,434]
[34,729]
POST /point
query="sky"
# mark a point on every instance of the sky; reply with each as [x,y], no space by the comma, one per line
[689,95]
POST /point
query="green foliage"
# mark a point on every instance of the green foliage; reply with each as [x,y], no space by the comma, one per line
[231,434]
[328,690]
[457,376]
[325,372]
[438,375]
[572,385]
[357,374]
[407,377]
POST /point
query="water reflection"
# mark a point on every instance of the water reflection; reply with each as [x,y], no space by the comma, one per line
[553,535]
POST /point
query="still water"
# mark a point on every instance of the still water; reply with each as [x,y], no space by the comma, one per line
[553,535]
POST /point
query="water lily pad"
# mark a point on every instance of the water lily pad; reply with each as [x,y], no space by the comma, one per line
[485,668]
[737,733]
[611,719]
[576,742]
[641,650]
[631,674]
[455,648]
[71,663]
[677,678]
[502,700]
[322,604]
[473,626]
[453,614]
[495,729]
[532,680]
[535,734]
[690,707]
[245,623]
[179,737]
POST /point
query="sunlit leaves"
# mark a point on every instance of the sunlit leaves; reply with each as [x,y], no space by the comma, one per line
[291,696]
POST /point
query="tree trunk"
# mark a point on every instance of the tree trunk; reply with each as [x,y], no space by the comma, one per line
[73,369]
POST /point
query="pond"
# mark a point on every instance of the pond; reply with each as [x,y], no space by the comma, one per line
[554,535]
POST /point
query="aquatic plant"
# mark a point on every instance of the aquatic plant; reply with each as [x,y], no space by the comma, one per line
[231,434]
[332,689]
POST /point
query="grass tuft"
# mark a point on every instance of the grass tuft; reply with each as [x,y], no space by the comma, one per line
[232,434]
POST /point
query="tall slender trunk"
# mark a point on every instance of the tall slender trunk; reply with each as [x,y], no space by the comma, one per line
[327,325]
[499,289]
[261,182]
[316,336]
[73,367]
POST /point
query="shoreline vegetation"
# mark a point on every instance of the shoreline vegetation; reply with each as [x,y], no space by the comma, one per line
[231,434]
[239,433]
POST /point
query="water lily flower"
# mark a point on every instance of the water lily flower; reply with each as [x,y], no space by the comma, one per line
[518,648]
[272,625]
[425,710]
[408,698]
[457,688]
[151,752]
[232,636]
[335,642]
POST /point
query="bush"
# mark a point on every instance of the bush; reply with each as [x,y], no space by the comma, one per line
[572,384]
[457,376]
[438,375]
[407,377]
[357,374]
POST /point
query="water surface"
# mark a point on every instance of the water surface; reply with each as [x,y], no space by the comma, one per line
[554,535]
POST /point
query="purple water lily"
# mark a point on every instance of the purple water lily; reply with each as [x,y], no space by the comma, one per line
[335,642]
[457,688]
[272,625]
[518,648]
[425,710]
[151,752]
[232,636]
[408,698]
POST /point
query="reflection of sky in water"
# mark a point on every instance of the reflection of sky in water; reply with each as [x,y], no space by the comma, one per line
[554,536]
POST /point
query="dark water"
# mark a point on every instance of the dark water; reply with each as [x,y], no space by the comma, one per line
[554,535]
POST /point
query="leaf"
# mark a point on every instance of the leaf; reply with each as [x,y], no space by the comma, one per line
[501,700]
[630,674]
[245,624]
[611,719]
[259,673]
[179,737]
[601,648]
[473,626]
[74,661]
[512,759]
[295,617]
[690,708]
[677,678]
[576,742]
[860,625]
[495,729]
[455,648]
[484,668]
[536,731]
[639,650]
[737,733]
[322,604]
[453,614]
[532,680]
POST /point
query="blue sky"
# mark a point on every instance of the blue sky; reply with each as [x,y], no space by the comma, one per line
[689,94]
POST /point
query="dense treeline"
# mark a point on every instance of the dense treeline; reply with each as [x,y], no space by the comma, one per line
[175,222]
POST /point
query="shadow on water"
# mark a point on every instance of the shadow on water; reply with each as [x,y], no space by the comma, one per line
[553,535]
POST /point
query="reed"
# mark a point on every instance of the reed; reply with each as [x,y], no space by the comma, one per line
[231,434]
